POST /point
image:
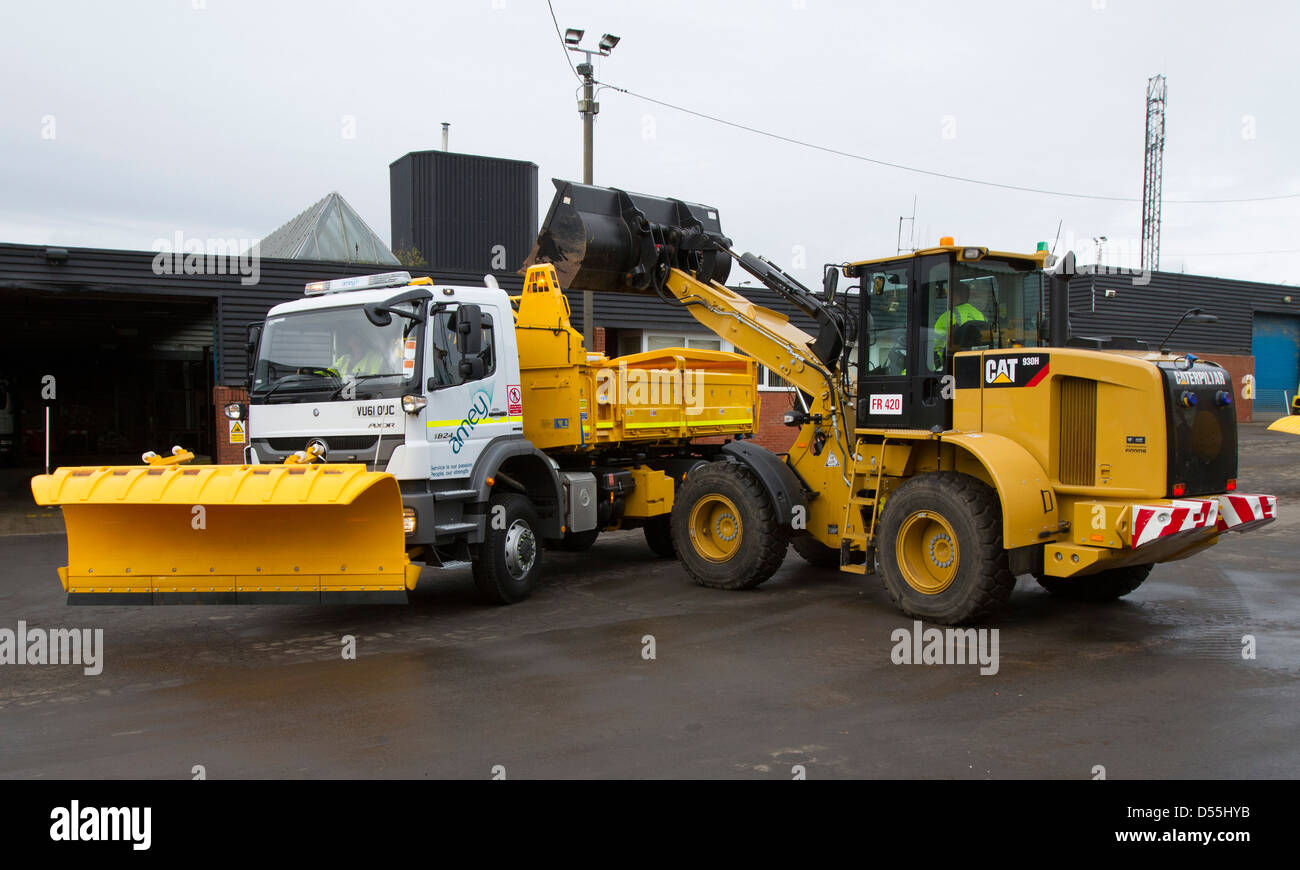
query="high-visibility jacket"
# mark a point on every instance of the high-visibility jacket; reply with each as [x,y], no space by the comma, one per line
[963,313]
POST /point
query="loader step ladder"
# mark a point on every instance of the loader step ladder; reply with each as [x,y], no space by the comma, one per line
[865,478]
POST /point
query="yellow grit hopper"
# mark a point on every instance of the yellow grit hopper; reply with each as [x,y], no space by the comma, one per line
[230,534]
[579,400]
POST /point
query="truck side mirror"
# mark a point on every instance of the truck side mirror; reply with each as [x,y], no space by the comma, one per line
[254,338]
[471,368]
[468,324]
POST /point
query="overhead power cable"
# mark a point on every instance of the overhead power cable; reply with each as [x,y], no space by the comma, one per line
[930,172]
[560,36]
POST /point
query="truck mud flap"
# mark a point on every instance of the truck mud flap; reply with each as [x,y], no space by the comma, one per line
[229,534]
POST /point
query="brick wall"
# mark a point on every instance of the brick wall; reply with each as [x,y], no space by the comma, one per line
[772,433]
[598,339]
[227,453]
[1238,367]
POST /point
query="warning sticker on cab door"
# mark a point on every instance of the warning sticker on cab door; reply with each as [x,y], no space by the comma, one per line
[514,399]
[886,403]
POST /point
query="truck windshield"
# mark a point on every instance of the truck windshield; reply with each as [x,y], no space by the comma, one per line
[336,353]
[1005,295]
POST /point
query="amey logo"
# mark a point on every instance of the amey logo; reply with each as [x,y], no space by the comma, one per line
[478,410]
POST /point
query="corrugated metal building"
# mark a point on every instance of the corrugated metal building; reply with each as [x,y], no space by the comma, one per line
[463,211]
[1255,320]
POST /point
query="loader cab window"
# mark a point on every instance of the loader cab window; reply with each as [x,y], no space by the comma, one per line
[444,370]
[886,304]
[1003,305]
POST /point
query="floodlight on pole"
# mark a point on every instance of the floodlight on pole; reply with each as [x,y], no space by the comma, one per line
[588,108]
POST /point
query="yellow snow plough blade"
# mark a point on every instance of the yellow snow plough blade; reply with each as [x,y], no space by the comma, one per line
[1287,424]
[230,534]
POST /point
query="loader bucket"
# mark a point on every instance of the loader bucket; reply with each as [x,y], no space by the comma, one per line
[1289,424]
[230,534]
[602,238]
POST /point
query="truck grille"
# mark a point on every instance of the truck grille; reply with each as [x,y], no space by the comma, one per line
[1078,432]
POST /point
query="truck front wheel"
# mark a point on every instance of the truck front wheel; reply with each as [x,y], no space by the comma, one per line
[940,548]
[510,557]
[725,529]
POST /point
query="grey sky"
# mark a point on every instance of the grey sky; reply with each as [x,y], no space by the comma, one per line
[226,121]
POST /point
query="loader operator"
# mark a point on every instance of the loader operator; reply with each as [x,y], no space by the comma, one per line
[962,312]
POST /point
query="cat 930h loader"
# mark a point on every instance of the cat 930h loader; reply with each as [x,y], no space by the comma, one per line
[948,438]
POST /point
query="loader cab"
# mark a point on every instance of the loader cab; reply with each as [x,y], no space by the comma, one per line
[918,311]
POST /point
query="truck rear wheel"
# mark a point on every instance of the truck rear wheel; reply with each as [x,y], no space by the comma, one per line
[725,529]
[940,549]
[815,552]
[510,557]
[1102,586]
[659,536]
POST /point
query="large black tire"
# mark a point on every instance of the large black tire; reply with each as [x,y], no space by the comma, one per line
[659,536]
[510,557]
[1102,586]
[815,552]
[940,549]
[577,542]
[725,529]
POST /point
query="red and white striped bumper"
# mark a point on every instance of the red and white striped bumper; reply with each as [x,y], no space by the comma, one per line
[1224,513]
[1240,513]
[1180,517]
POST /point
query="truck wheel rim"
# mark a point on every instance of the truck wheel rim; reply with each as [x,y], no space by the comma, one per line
[521,549]
[927,551]
[716,529]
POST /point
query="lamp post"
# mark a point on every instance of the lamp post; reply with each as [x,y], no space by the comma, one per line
[588,107]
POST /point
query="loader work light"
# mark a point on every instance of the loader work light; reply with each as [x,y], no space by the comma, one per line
[361,282]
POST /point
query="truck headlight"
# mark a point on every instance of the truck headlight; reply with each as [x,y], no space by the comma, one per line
[408,520]
[414,404]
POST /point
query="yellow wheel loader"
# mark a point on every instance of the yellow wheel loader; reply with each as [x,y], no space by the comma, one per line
[393,424]
[949,438]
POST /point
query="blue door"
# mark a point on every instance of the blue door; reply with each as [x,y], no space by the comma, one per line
[1276,346]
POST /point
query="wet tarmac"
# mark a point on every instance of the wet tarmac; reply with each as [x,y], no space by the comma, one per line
[751,684]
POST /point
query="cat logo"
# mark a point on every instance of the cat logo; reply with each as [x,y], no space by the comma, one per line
[1000,370]
[1015,370]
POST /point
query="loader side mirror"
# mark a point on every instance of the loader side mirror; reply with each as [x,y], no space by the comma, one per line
[468,325]
[830,281]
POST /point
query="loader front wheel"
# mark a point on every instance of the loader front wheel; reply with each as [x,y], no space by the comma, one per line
[510,557]
[659,536]
[725,529]
[940,547]
[1102,586]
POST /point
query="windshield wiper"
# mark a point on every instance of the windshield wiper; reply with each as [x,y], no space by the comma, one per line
[356,379]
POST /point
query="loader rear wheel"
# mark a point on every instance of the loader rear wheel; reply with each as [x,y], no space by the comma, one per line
[1102,586]
[815,552]
[940,549]
[510,557]
[659,536]
[725,529]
